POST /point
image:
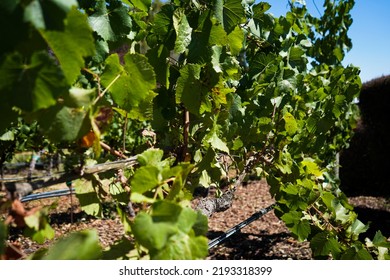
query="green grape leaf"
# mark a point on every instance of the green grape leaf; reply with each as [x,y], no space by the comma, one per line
[183,30]
[37,12]
[72,45]
[79,97]
[218,10]
[311,167]
[236,38]
[38,227]
[111,22]
[40,236]
[183,217]
[291,125]
[62,123]
[150,234]
[341,213]
[357,228]
[145,179]
[119,250]
[380,240]
[322,245]
[150,157]
[143,5]
[140,198]
[83,245]
[233,14]
[157,57]
[163,23]
[130,84]
[356,252]
[204,179]
[31,86]
[300,228]
[188,88]
[216,54]
[182,247]
[172,232]
[217,34]
[201,224]
[89,200]
[8,136]
[217,143]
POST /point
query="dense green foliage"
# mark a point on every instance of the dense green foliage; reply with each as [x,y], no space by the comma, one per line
[201,79]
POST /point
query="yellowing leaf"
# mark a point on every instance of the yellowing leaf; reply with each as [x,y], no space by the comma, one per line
[311,168]
[291,125]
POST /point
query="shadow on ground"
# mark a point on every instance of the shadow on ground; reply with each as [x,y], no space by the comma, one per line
[249,246]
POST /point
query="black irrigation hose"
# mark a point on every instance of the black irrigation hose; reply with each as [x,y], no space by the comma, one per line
[49,194]
[236,228]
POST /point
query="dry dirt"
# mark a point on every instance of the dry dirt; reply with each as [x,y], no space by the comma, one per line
[265,238]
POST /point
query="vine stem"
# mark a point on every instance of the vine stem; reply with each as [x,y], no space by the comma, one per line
[124,133]
[186,132]
[112,151]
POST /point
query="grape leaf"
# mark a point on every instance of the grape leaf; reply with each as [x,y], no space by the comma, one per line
[83,245]
[89,200]
[299,227]
[111,22]
[72,45]
[340,211]
[291,125]
[150,157]
[356,252]
[322,244]
[216,54]
[236,39]
[31,86]
[217,143]
[233,14]
[183,31]
[79,97]
[143,5]
[171,232]
[130,84]
[357,228]
[182,247]
[39,228]
[119,250]
[47,14]
[380,241]
[61,123]
[151,235]
[145,178]
[188,88]
[311,167]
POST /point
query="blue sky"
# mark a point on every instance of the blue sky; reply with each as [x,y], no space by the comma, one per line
[370,34]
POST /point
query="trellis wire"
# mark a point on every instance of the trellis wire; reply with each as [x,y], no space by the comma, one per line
[238,227]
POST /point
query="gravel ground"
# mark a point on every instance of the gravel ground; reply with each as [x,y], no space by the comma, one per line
[265,238]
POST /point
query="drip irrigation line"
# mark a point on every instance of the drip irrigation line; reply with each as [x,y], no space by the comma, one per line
[50,194]
[233,230]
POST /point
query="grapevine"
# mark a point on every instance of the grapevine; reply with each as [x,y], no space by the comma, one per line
[192,91]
